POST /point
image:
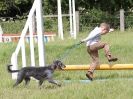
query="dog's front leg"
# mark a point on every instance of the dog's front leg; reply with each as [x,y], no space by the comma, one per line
[53,82]
[40,83]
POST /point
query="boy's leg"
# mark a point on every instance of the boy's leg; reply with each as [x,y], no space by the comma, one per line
[105,46]
[93,51]
[108,54]
[95,62]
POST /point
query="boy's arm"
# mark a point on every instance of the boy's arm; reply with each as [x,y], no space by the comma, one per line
[90,36]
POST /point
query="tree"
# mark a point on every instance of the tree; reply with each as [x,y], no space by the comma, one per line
[110,6]
[19,7]
[11,8]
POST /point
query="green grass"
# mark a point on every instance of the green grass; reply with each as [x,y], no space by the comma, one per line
[106,85]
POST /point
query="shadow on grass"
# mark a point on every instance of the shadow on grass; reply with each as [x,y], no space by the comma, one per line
[50,87]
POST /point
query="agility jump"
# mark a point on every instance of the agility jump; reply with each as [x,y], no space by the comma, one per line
[37,10]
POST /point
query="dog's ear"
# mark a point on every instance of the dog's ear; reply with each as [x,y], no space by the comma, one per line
[56,62]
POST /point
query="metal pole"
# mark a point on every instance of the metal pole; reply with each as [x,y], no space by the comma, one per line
[60,25]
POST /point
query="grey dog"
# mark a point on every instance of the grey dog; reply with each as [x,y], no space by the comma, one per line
[39,73]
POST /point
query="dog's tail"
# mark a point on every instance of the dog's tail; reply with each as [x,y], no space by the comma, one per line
[11,71]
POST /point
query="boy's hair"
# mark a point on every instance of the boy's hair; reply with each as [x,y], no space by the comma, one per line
[106,25]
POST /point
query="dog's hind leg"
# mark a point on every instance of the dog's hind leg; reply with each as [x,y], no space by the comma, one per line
[27,80]
[19,80]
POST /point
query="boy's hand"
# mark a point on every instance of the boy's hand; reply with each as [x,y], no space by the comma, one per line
[82,41]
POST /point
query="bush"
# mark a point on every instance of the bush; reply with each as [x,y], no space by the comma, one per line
[94,17]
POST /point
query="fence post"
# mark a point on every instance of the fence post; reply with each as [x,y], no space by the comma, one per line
[122,24]
[77,21]
[1,32]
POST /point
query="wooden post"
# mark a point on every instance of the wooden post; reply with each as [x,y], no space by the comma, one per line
[122,24]
[77,21]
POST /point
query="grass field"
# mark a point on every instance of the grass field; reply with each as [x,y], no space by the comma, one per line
[106,85]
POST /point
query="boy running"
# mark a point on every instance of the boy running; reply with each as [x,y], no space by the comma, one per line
[94,44]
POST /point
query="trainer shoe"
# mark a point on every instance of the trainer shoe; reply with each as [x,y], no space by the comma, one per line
[111,59]
[89,75]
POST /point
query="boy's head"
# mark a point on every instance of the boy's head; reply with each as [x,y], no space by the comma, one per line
[104,28]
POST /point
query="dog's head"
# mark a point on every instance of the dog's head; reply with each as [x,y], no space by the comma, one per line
[58,64]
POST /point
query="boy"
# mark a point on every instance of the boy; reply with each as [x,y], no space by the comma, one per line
[93,44]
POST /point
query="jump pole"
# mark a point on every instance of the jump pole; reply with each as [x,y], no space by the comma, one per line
[101,67]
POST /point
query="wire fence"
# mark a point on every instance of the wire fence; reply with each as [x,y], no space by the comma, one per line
[87,21]
[129,19]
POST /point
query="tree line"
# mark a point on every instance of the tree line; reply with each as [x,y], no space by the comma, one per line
[13,8]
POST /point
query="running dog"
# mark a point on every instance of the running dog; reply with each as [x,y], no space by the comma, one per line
[39,73]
